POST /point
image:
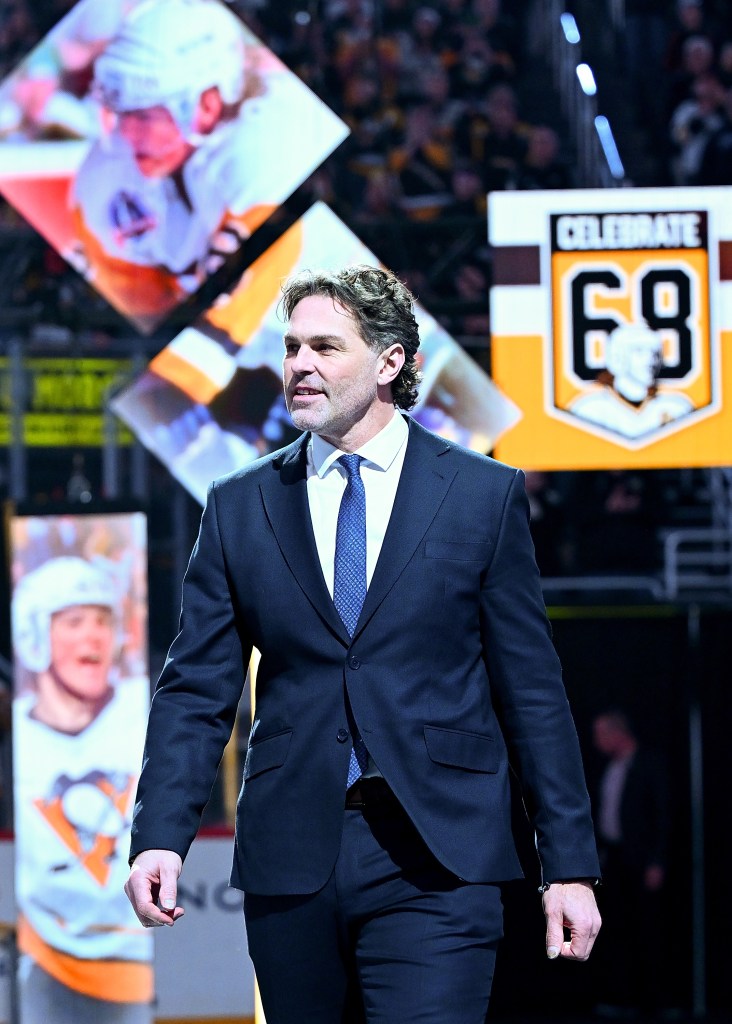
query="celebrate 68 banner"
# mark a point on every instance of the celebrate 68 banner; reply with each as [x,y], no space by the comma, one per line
[612,326]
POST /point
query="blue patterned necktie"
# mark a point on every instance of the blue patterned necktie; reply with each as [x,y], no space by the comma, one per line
[349,583]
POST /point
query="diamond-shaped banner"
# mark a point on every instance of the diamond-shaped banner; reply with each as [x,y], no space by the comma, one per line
[212,400]
[145,139]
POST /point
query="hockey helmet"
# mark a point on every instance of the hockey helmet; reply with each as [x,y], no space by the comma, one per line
[167,53]
[59,583]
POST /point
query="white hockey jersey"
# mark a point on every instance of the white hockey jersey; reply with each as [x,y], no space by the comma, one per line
[74,797]
[149,242]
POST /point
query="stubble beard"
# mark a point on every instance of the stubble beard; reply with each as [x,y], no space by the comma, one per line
[336,420]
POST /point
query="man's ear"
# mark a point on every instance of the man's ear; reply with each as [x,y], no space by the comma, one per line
[209,110]
[391,361]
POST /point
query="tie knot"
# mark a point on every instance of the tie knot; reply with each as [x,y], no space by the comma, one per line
[351,464]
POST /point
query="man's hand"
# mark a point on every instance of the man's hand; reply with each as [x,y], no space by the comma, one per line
[570,905]
[154,880]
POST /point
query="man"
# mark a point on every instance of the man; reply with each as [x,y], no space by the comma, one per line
[627,399]
[633,827]
[405,654]
[194,157]
[77,738]
[158,201]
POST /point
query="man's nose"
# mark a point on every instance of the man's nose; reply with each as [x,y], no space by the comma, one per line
[303,362]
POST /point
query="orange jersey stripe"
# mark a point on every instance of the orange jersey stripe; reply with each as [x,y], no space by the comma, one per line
[119,981]
[178,371]
[145,293]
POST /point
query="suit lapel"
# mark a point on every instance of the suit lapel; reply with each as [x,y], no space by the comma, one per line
[285,499]
[425,480]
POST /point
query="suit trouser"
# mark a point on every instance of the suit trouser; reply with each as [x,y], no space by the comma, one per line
[392,938]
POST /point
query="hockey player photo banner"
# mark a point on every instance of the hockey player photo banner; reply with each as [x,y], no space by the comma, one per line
[212,400]
[611,317]
[80,701]
[146,139]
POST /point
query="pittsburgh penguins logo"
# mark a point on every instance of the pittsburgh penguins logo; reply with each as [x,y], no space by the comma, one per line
[89,815]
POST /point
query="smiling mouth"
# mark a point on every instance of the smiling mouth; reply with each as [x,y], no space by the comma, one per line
[301,392]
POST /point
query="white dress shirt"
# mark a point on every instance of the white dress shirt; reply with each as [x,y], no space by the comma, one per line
[383,457]
[612,786]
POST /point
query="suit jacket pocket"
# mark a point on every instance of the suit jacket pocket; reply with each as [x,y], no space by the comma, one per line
[458,749]
[269,752]
[458,551]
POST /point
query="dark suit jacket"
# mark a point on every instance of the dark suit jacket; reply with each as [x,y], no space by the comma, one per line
[450,673]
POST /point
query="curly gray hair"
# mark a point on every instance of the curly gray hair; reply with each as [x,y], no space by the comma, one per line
[381,306]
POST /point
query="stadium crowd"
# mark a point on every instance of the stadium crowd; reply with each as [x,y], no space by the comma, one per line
[431,95]
[679,55]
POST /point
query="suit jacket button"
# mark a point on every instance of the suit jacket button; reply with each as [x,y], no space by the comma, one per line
[354,662]
[342,735]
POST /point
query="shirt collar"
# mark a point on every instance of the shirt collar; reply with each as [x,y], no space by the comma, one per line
[380,451]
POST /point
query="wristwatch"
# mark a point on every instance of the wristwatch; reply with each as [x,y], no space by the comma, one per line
[594,882]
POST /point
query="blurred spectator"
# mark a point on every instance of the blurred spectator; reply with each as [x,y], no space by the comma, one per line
[492,136]
[423,163]
[422,50]
[697,58]
[434,88]
[716,160]
[693,123]
[542,166]
[374,125]
[690,20]
[381,199]
[302,47]
[349,36]
[469,198]
[476,69]
[495,25]
[78,486]
[632,821]
[455,20]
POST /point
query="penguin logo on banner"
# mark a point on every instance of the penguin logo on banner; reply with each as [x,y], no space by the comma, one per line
[90,817]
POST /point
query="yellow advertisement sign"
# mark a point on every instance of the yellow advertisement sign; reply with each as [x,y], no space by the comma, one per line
[63,400]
